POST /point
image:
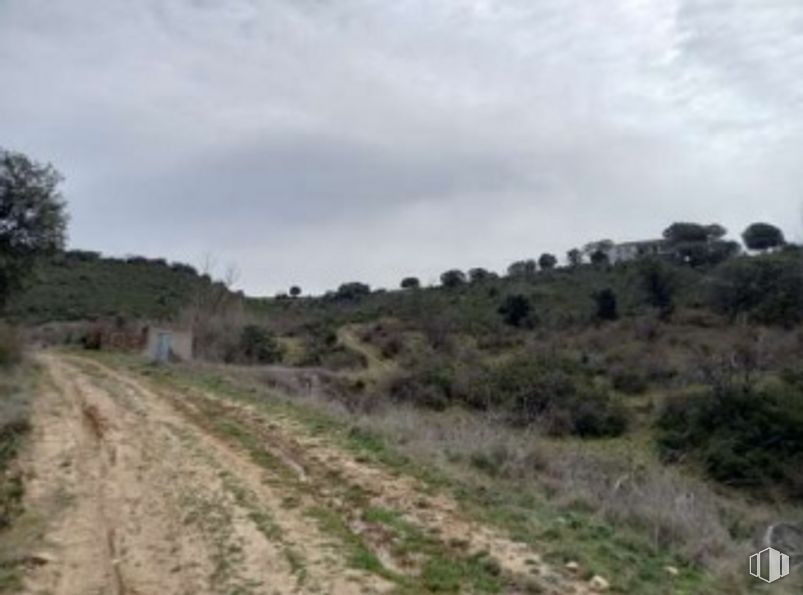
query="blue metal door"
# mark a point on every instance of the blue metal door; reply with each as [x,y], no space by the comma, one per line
[163,347]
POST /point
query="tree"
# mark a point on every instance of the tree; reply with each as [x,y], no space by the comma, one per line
[453,278]
[478,275]
[762,236]
[258,345]
[696,244]
[295,291]
[604,246]
[33,219]
[715,231]
[410,283]
[600,258]
[352,291]
[682,232]
[515,310]
[606,306]
[766,289]
[522,268]
[658,283]
[575,257]
[547,261]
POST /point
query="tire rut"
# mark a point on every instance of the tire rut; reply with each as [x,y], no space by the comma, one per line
[344,484]
[141,501]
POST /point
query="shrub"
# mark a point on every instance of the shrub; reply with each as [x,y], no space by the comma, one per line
[14,424]
[743,438]
[257,345]
[339,357]
[321,348]
[515,310]
[659,285]
[766,289]
[556,394]
[606,306]
[11,346]
[793,376]
[92,339]
[431,385]
[628,381]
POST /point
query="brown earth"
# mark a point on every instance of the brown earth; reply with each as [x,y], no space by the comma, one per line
[151,489]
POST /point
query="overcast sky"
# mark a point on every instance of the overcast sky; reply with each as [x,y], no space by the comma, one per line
[322,141]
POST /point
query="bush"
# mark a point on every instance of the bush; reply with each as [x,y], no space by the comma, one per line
[606,305]
[515,310]
[432,385]
[556,394]
[92,339]
[793,376]
[14,424]
[743,438]
[338,357]
[257,345]
[659,284]
[765,289]
[631,382]
[11,346]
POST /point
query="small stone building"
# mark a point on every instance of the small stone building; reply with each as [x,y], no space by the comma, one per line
[627,251]
[164,344]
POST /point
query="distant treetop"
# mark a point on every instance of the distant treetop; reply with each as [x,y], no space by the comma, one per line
[763,236]
[410,283]
[453,278]
[683,232]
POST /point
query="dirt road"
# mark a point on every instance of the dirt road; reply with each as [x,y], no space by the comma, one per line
[149,489]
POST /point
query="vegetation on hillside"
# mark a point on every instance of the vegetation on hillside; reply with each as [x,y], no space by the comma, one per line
[82,285]
[680,366]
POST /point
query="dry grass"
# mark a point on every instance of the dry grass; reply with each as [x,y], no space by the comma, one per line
[621,482]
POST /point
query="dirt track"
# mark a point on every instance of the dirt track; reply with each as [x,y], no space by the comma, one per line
[152,490]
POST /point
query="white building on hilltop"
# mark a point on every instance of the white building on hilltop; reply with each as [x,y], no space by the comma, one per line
[628,251]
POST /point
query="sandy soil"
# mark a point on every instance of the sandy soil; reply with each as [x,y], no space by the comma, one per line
[144,494]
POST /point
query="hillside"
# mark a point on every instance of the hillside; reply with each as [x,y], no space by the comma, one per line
[638,423]
[80,285]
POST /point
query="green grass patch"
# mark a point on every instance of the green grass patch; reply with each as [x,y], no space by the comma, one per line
[16,388]
[444,570]
[624,555]
[360,555]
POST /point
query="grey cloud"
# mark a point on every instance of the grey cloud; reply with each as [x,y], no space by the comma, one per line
[315,141]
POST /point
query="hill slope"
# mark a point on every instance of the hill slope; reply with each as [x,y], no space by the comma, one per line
[83,285]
